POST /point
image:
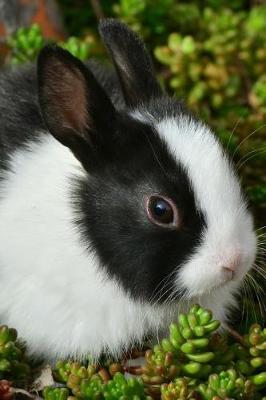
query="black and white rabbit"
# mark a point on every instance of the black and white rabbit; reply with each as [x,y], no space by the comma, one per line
[117,207]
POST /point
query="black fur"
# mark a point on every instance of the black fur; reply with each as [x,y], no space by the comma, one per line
[114,220]
[132,62]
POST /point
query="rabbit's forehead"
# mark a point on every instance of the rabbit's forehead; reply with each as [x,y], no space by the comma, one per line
[215,185]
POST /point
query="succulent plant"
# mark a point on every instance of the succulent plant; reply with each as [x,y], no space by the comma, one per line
[180,388]
[64,369]
[95,382]
[79,48]
[161,366]
[120,388]
[185,351]
[55,393]
[256,341]
[12,365]
[224,353]
[251,358]
[228,384]
[194,350]
[92,388]
[25,44]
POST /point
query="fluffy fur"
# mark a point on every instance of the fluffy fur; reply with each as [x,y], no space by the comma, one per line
[82,268]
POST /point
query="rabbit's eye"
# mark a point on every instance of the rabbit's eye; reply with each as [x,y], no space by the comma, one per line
[162,211]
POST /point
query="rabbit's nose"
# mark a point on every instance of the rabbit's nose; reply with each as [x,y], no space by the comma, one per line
[230,266]
[229,272]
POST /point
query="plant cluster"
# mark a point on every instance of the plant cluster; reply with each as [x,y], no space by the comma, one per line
[12,363]
[26,43]
[94,382]
[197,359]
[193,362]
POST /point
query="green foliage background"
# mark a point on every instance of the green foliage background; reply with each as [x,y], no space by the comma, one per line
[212,54]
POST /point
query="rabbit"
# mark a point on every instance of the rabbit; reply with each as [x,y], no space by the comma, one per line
[118,207]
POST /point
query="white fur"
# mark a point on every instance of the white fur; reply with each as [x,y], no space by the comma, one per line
[51,289]
[229,239]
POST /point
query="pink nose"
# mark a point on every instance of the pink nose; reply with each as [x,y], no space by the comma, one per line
[229,272]
[230,267]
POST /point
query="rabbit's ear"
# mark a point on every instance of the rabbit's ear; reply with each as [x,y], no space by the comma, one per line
[75,108]
[132,62]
